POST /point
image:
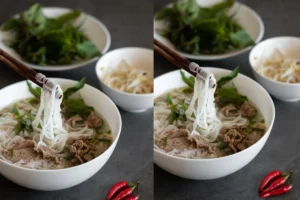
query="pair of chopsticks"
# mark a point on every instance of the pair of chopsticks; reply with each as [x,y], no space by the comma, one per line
[181,62]
[27,72]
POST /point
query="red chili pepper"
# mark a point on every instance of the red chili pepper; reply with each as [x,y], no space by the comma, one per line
[116,188]
[134,197]
[126,192]
[278,182]
[282,190]
[271,176]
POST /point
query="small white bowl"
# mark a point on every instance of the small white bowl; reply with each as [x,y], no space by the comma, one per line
[92,27]
[205,169]
[62,178]
[290,47]
[137,57]
[245,16]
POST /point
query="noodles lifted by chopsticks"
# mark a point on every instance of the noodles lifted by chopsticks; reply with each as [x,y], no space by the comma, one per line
[280,68]
[128,79]
[202,110]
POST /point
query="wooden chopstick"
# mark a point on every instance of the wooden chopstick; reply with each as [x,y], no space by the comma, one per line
[177,59]
[23,69]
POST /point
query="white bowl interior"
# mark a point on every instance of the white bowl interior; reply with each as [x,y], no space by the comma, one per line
[139,58]
[47,179]
[92,27]
[203,169]
[245,16]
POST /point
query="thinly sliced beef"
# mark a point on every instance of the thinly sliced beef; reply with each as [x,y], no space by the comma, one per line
[247,110]
[27,150]
[180,140]
[80,148]
[93,121]
[234,138]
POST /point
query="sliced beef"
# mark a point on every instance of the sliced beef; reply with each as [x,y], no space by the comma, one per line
[47,153]
[80,148]
[93,121]
[24,144]
[201,143]
[247,110]
[25,154]
[233,137]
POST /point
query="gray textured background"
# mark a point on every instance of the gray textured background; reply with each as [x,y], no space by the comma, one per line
[282,148]
[130,24]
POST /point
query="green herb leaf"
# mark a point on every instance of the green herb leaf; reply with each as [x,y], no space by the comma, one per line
[105,141]
[75,88]
[241,39]
[11,151]
[35,91]
[16,111]
[223,145]
[165,139]
[73,107]
[190,81]
[230,95]
[163,13]
[228,78]
[87,49]
[169,99]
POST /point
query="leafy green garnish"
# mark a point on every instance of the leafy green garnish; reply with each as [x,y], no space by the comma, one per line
[197,30]
[178,112]
[11,151]
[76,107]
[165,139]
[24,121]
[169,99]
[190,81]
[228,78]
[230,95]
[223,145]
[33,100]
[75,88]
[49,41]
[35,91]
[105,141]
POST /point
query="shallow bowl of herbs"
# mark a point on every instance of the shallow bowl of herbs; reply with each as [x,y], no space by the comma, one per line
[57,179]
[202,30]
[212,168]
[53,38]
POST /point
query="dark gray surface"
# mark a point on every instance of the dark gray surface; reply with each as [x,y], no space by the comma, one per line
[282,148]
[130,24]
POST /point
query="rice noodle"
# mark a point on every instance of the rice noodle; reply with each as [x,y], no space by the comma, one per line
[52,132]
[279,68]
[202,106]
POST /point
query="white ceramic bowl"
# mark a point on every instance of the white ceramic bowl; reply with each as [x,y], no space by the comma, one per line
[290,47]
[245,16]
[205,169]
[137,57]
[62,178]
[92,27]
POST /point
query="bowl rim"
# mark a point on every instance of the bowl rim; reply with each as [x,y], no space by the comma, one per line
[266,135]
[75,65]
[97,70]
[223,55]
[114,143]
[263,43]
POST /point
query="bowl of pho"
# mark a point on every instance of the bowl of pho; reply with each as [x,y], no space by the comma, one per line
[44,138]
[126,76]
[205,133]
[275,64]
